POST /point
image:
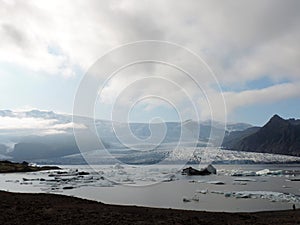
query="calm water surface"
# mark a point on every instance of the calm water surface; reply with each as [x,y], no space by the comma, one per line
[149,187]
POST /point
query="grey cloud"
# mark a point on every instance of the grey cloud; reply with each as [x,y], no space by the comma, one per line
[241,40]
[15,35]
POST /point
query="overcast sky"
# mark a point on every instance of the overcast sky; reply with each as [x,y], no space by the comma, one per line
[46,47]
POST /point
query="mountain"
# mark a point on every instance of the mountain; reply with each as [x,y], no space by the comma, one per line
[277,136]
[233,138]
[47,137]
[35,134]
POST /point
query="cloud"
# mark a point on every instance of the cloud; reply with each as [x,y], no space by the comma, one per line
[242,41]
[230,31]
[19,122]
[15,35]
[15,123]
[265,95]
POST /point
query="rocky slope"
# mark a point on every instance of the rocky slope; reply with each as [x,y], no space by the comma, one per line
[278,136]
[12,167]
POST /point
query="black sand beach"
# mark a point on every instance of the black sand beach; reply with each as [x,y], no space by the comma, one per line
[17,208]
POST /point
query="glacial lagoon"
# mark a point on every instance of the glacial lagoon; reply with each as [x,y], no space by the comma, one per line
[234,188]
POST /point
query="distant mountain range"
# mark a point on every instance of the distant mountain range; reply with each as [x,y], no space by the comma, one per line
[46,136]
[277,136]
[33,135]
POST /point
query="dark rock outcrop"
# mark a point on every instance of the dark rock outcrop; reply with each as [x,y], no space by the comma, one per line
[278,136]
[190,171]
[13,167]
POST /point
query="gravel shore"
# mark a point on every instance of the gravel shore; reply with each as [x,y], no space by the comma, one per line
[20,208]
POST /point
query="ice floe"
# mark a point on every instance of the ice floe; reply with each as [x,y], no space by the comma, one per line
[66,180]
[269,195]
[245,180]
[216,182]
[294,179]
[205,191]
[264,172]
[268,172]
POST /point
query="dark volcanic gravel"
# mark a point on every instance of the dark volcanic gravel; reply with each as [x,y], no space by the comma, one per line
[16,208]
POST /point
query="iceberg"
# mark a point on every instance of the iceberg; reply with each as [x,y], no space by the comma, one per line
[268,172]
[190,171]
[264,172]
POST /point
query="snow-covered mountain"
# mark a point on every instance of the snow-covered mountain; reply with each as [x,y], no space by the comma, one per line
[36,134]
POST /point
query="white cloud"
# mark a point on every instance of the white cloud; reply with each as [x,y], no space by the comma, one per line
[265,95]
[19,122]
[16,123]
[66,126]
[241,40]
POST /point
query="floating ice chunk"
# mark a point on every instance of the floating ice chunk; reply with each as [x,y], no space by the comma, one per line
[121,172]
[211,169]
[104,183]
[243,173]
[190,171]
[118,166]
[242,195]
[68,187]
[268,172]
[228,194]
[263,172]
[197,181]
[195,198]
[185,199]
[12,181]
[239,183]
[205,191]
[172,177]
[217,192]
[30,179]
[294,179]
[127,180]
[26,183]
[269,195]
[216,182]
[245,180]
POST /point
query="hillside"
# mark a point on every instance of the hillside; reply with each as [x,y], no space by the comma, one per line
[277,136]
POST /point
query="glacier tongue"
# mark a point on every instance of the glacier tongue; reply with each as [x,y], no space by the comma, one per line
[221,156]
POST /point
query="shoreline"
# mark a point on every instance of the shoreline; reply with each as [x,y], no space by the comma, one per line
[16,167]
[41,208]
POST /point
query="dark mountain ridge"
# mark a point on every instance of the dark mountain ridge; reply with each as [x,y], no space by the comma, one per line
[277,136]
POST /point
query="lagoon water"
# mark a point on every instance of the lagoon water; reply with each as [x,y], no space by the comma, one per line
[234,188]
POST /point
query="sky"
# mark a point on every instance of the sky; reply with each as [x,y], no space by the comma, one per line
[252,46]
